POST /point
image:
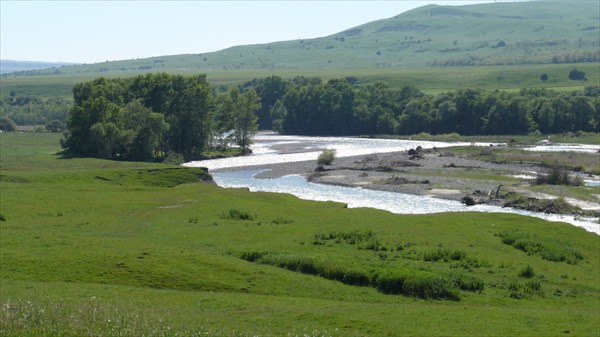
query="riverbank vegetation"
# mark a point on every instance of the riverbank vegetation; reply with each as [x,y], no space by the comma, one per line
[146,117]
[338,107]
[147,248]
[149,116]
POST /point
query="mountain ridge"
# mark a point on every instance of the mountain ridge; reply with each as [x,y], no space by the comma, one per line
[8,66]
[432,35]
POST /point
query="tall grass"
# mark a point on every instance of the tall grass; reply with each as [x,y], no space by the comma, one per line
[405,282]
[548,249]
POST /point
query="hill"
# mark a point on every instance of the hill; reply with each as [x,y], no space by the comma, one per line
[9,66]
[484,34]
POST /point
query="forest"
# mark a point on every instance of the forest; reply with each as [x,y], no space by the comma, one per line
[341,107]
[149,117]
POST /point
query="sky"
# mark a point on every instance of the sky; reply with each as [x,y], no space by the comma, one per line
[87,31]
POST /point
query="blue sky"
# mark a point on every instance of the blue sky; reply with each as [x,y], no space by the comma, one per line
[95,31]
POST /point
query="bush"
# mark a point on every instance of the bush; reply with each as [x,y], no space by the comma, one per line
[390,282]
[549,250]
[430,286]
[397,282]
[527,290]
[527,272]
[577,75]
[425,285]
[445,255]
[7,124]
[238,215]
[174,158]
[326,157]
[558,176]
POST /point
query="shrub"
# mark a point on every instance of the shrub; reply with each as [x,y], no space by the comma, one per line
[527,272]
[530,288]
[252,256]
[425,285]
[468,283]
[239,215]
[326,157]
[430,286]
[390,282]
[445,255]
[174,158]
[577,75]
[7,124]
[550,250]
[399,282]
[353,237]
[558,176]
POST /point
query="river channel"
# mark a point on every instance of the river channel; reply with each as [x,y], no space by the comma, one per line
[270,149]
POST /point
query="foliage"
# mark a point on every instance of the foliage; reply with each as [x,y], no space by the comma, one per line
[7,124]
[558,175]
[528,289]
[527,272]
[549,249]
[577,75]
[445,255]
[326,157]
[244,117]
[337,107]
[35,110]
[139,118]
[406,282]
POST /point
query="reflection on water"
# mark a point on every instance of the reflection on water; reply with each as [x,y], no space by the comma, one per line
[357,197]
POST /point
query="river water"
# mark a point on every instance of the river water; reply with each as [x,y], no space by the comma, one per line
[271,149]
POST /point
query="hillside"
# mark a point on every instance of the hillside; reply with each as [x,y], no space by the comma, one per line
[9,66]
[484,34]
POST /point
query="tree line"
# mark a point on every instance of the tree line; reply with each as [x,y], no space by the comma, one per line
[151,116]
[33,110]
[309,106]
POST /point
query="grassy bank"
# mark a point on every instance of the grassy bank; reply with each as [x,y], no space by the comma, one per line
[95,247]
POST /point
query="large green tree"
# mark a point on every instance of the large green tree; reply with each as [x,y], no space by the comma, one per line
[244,118]
[140,118]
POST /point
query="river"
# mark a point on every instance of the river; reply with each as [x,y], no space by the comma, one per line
[270,148]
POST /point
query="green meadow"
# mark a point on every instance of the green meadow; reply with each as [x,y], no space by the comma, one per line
[429,80]
[103,248]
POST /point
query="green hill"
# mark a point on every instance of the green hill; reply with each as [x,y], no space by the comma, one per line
[484,34]
[9,66]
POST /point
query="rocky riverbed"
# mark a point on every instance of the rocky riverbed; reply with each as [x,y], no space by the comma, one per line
[441,173]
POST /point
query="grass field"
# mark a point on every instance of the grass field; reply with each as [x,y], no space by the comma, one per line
[430,80]
[94,247]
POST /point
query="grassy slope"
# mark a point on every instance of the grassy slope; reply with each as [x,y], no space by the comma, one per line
[407,43]
[152,253]
[412,39]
